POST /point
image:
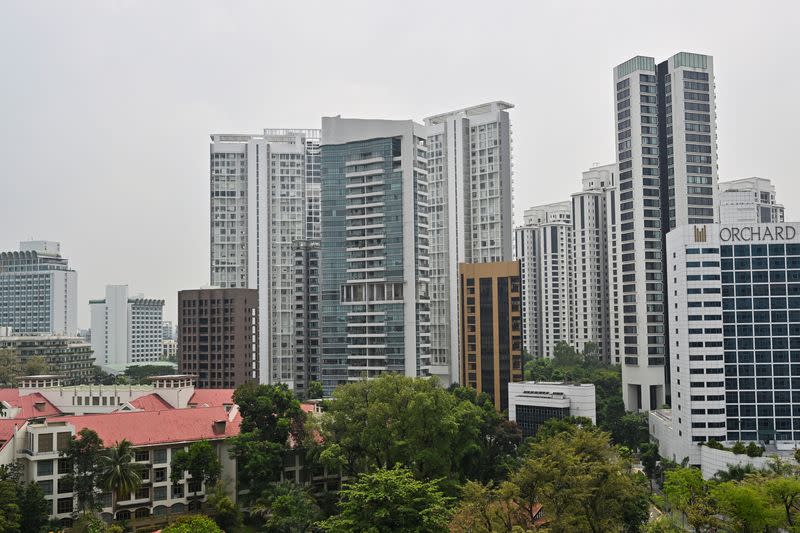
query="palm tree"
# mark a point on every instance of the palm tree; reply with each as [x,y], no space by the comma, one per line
[119,474]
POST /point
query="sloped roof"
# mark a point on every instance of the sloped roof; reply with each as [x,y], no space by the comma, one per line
[158,427]
[7,429]
[211,397]
[30,405]
[151,402]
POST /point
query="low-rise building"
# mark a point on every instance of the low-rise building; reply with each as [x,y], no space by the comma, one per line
[532,403]
[70,357]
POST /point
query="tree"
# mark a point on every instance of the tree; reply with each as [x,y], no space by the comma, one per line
[735,472]
[223,510]
[631,430]
[398,420]
[583,483]
[493,509]
[746,507]
[663,524]
[754,450]
[686,489]
[10,515]
[315,390]
[785,492]
[270,416]
[36,366]
[83,453]
[35,509]
[118,473]
[200,461]
[286,508]
[9,368]
[648,453]
[390,500]
[192,523]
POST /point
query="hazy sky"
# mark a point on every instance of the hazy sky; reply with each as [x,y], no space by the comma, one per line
[106,107]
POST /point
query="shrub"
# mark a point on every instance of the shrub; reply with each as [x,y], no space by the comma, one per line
[754,450]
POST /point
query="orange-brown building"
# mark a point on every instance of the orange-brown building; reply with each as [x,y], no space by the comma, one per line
[491,328]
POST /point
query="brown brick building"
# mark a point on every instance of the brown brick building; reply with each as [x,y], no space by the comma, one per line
[218,336]
[491,328]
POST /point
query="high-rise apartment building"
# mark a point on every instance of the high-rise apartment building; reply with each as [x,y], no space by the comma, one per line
[471,212]
[265,196]
[306,305]
[734,295]
[666,153]
[544,248]
[589,310]
[38,290]
[69,357]
[126,329]
[491,328]
[218,336]
[167,330]
[374,309]
[748,201]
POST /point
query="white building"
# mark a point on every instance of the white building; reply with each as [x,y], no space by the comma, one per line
[38,290]
[167,330]
[374,272]
[169,349]
[471,212]
[544,248]
[265,196]
[126,329]
[673,141]
[532,403]
[590,287]
[734,302]
[748,201]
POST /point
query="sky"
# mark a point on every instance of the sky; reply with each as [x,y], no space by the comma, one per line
[106,107]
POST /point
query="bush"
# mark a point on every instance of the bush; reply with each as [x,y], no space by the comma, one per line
[754,450]
[738,448]
[193,524]
[714,445]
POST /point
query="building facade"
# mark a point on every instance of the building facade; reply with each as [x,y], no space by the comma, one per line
[735,306]
[126,329]
[38,290]
[544,248]
[306,283]
[491,326]
[470,184]
[374,269]
[748,201]
[218,336]
[532,403]
[666,154]
[265,195]
[69,357]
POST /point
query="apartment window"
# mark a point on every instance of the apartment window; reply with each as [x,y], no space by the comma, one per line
[64,486]
[64,505]
[44,468]
[142,455]
[159,474]
[159,456]
[177,491]
[143,493]
[45,442]
[159,493]
[64,466]
[46,486]
[62,440]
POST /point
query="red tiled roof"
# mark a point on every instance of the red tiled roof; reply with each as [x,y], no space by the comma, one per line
[211,397]
[7,429]
[157,427]
[31,405]
[151,402]
[307,407]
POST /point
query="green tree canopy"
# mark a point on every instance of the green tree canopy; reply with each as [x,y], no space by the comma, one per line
[118,473]
[390,500]
[84,452]
[193,524]
[286,508]
[200,461]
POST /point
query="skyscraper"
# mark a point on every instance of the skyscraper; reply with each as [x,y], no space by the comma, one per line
[748,201]
[471,218]
[306,286]
[264,197]
[38,290]
[374,306]
[666,153]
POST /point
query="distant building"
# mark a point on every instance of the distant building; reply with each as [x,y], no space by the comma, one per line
[532,403]
[38,290]
[70,357]
[167,330]
[470,182]
[126,329]
[491,328]
[169,349]
[306,312]
[748,201]
[218,336]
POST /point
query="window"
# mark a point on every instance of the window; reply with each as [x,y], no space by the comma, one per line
[62,440]
[44,468]
[45,443]
[142,455]
[177,491]
[64,466]
[159,474]
[159,493]
[64,505]
[46,486]
[143,493]
[159,456]
[64,486]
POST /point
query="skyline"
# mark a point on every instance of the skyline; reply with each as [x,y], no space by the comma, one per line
[140,110]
